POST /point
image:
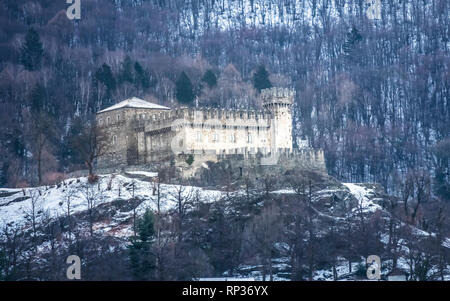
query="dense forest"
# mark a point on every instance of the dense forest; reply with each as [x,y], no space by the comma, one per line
[373,93]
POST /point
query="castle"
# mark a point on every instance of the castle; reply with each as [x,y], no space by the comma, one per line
[141,132]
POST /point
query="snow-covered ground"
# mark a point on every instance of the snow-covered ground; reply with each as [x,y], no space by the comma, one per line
[362,194]
[53,199]
[15,205]
[143,173]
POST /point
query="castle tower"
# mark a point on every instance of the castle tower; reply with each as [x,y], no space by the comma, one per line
[278,101]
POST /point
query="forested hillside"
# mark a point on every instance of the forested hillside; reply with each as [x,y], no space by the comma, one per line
[374,94]
[300,226]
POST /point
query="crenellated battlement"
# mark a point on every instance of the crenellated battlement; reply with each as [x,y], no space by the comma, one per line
[202,116]
[263,152]
[248,161]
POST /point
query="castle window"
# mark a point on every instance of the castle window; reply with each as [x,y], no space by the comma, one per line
[114,139]
[249,138]
[100,121]
[232,138]
[118,117]
[199,136]
[108,119]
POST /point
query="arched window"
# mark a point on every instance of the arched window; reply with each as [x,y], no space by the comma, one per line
[249,138]
[108,119]
[114,139]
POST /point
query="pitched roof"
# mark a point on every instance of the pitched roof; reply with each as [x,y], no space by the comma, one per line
[134,102]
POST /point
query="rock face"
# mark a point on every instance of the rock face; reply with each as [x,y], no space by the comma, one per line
[141,132]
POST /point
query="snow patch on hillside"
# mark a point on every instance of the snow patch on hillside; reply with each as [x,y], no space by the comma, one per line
[362,194]
[53,199]
[143,173]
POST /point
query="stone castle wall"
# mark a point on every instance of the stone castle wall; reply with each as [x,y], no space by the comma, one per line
[306,159]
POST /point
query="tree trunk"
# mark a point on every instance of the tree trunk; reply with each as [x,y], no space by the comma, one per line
[40,167]
[270,269]
[91,227]
[134,221]
[90,167]
[334,272]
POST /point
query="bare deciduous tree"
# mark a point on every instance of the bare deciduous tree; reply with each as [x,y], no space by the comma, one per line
[32,213]
[92,143]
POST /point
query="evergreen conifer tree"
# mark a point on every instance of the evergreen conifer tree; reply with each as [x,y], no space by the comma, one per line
[184,91]
[142,77]
[106,77]
[140,251]
[209,78]
[261,79]
[126,71]
[31,52]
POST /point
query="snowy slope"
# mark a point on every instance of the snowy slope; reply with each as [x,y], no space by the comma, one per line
[53,199]
[113,195]
[362,194]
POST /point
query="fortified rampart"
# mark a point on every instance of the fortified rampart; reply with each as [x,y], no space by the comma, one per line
[306,159]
